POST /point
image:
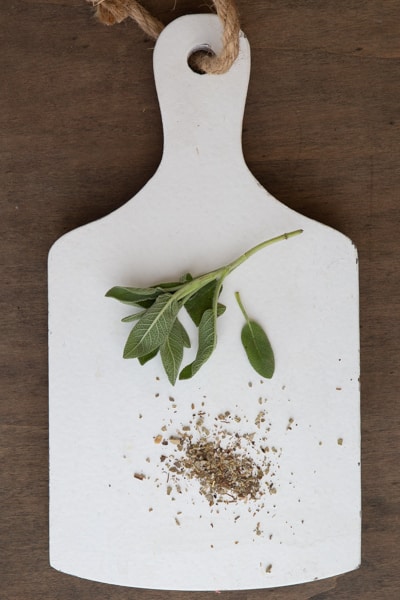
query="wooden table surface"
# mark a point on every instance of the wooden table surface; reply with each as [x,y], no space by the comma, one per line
[81,134]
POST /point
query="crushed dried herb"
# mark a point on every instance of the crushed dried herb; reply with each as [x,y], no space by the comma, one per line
[224,474]
[227,466]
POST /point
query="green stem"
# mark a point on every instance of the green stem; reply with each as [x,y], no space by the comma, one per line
[241,259]
[191,287]
[239,301]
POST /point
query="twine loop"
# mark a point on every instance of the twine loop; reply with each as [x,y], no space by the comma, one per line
[110,12]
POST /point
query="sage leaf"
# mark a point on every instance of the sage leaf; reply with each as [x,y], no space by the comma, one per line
[221,308]
[258,349]
[184,334]
[144,359]
[202,300]
[133,317]
[143,297]
[169,286]
[153,328]
[207,343]
[257,345]
[171,352]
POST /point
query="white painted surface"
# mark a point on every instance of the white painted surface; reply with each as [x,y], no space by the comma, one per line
[200,210]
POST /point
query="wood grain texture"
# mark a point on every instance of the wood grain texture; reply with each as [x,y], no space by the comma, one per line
[81,134]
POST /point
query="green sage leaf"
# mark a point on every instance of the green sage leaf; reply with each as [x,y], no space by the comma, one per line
[207,343]
[258,349]
[221,308]
[153,328]
[201,301]
[144,359]
[169,286]
[171,352]
[133,317]
[143,297]
[183,333]
[256,344]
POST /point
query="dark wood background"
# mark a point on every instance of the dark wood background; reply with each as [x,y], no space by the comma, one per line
[81,134]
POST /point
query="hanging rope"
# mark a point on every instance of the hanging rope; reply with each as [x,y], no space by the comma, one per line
[110,12]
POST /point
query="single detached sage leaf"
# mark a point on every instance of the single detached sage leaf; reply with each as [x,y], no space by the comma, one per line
[207,343]
[144,359]
[257,345]
[171,351]
[258,349]
[153,328]
[201,301]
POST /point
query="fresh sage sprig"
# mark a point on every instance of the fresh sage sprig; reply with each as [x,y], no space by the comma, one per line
[157,328]
[256,344]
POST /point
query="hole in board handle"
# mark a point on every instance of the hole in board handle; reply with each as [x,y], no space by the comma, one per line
[196,53]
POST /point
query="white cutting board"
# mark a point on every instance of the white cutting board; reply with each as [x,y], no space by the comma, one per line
[202,209]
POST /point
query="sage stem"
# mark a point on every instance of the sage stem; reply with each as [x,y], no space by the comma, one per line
[239,301]
[284,236]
